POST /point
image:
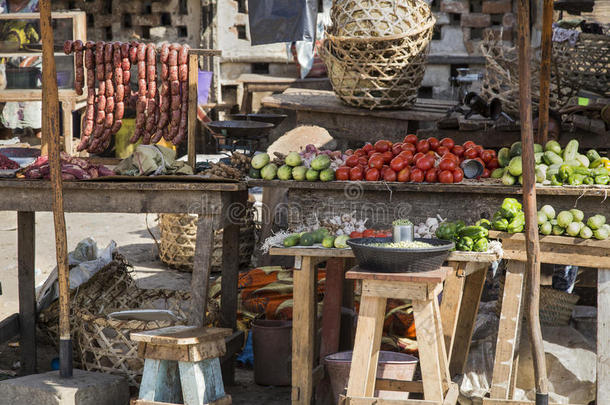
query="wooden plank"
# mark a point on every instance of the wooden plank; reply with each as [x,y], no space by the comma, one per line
[181,335]
[603,336]
[443,363]
[201,269]
[9,328]
[564,254]
[193,77]
[395,385]
[393,289]
[508,330]
[469,308]
[161,381]
[551,239]
[26,248]
[226,400]
[201,381]
[492,401]
[451,303]
[363,370]
[452,394]
[380,401]
[142,184]
[303,332]
[205,52]
[433,276]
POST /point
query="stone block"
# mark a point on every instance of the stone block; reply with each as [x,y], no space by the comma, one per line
[497,6]
[451,42]
[437,76]
[442,18]
[84,388]
[476,20]
[509,20]
[147,20]
[455,6]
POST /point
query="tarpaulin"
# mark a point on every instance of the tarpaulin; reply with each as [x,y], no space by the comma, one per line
[273,21]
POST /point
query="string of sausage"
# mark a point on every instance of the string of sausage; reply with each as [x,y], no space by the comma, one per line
[89,121]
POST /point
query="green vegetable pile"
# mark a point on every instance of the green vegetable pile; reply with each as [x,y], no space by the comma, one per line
[320,235]
[572,223]
[404,245]
[293,169]
[510,217]
[466,238]
[554,165]
[402,222]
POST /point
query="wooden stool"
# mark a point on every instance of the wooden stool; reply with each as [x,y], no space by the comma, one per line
[182,366]
[423,290]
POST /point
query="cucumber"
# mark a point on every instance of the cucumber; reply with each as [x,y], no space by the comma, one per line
[584,161]
[592,155]
[571,150]
[307,239]
[553,146]
[292,240]
[552,158]
[516,149]
[504,157]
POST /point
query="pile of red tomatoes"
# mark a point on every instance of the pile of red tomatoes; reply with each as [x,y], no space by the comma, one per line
[414,160]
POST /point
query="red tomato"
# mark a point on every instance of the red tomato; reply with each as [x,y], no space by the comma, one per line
[363,161]
[487,155]
[396,148]
[398,163]
[486,174]
[452,157]
[372,152]
[380,234]
[389,175]
[368,233]
[423,146]
[431,153]
[355,234]
[471,153]
[425,163]
[417,175]
[407,155]
[458,175]
[479,149]
[376,162]
[458,150]
[387,156]
[418,156]
[468,144]
[356,173]
[434,143]
[447,143]
[480,161]
[411,139]
[409,147]
[382,146]
[359,152]
[431,176]
[372,175]
[367,147]
[404,175]
[493,164]
[342,173]
[349,152]
[445,176]
[441,150]
[447,164]
[352,161]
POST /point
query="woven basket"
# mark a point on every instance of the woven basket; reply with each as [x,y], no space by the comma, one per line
[586,65]
[555,306]
[179,233]
[377,18]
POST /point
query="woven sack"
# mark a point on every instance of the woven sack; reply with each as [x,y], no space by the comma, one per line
[586,65]
[377,18]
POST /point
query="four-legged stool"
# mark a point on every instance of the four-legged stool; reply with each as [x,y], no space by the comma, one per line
[182,366]
[423,290]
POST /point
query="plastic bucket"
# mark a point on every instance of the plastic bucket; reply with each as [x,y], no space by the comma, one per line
[391,365]
[272,345]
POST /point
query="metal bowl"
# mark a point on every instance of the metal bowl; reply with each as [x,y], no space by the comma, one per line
[390,260]
[274,119]
[241,129]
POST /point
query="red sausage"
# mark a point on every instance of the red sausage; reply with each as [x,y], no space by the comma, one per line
[68,47]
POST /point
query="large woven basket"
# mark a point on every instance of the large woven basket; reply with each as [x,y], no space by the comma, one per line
[586,65]
[377,18]
[179,233]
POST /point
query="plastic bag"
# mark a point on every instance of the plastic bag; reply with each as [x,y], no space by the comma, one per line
[273,21]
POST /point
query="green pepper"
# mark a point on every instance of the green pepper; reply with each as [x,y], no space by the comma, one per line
[603,179]
[484,223]
[481,245]
[497,216]
[474,232]
[588,180]
[576,179]
[465,243]
[582,170]
[597,163]
[600,171]
[445,231]
[565,171]
[555,181]
[459,224]
[517,224]
[510,207]
[500,224]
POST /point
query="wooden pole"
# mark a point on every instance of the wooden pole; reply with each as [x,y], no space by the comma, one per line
[50,127]
[529,201]
[192,111]
[545,71]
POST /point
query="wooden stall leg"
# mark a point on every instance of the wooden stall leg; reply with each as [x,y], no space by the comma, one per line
[363,370]
[303,333]
[452,302]
[473,288]
[507,346]
[68,125]
[346,340]
[201,269]
[603,336]
[26,224]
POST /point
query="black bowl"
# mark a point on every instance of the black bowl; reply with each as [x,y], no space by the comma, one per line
[241,129]
[274,119]
[391,260]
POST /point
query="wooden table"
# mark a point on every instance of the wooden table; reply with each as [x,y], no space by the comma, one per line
[253,83]
[323,108]
[215,203]
[462,293]
[556,250]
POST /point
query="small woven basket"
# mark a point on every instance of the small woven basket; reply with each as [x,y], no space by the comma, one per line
[586,65]
[179,233]
[555,306]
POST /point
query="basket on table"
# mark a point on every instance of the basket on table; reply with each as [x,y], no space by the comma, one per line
[179,233]
[586,64]
[369,68]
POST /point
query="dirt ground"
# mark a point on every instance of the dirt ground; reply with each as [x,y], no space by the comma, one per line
[130,233]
